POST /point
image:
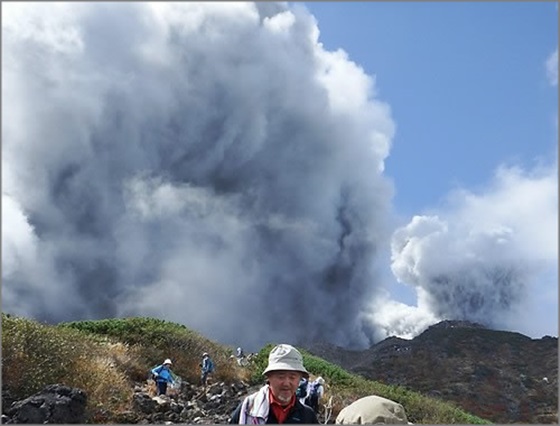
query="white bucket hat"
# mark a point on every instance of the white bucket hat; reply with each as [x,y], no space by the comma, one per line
[285,357]
[167,361]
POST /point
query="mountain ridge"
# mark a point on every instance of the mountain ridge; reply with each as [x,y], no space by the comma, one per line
[503,376]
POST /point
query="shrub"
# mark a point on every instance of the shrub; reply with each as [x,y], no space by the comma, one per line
[158,340]
[35,355]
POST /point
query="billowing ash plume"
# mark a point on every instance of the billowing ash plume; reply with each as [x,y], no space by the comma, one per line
[206,163]
[483,258]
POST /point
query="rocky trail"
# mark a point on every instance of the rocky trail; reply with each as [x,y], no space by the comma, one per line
[188,403]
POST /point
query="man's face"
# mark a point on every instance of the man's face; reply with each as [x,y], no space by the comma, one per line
[283,384]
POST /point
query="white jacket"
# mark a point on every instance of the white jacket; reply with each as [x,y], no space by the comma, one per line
[255,407]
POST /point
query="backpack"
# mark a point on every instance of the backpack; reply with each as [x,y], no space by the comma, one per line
[313,398]
[151,375]
[210,366]
[314,391]
[301,390]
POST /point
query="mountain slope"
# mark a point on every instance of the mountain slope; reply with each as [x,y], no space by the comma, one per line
[109,360]
[498,375]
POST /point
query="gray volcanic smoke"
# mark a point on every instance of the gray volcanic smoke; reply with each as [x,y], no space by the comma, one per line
[213,165]
[210,164]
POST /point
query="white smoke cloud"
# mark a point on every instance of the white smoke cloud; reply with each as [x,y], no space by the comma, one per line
[207,163]
[392,318]
[490,257]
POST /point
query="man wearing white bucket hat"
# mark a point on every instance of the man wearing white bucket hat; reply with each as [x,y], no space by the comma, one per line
[276,401]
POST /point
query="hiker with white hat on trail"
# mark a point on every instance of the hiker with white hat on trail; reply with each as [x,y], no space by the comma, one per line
[163,375]
[276,401]
[206,368]
[315,392]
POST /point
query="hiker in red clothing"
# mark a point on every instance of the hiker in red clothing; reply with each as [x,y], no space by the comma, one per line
[276,401]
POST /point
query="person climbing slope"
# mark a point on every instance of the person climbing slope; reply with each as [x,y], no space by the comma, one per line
[163,375]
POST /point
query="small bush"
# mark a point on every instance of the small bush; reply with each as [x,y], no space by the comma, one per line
[109,390]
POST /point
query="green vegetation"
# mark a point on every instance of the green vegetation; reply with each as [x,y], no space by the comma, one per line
[105,358]
[35,355]
[346,388]
[154,340]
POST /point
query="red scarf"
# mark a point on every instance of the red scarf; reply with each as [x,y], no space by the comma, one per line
[281,412]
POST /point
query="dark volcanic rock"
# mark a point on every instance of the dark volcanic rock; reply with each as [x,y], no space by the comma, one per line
[55,404]
[501,376]
[188,405]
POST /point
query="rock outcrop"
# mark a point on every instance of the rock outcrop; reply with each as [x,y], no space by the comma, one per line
[55,404]
[188,404]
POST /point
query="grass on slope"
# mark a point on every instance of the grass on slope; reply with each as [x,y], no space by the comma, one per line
[154,340]
[104,358]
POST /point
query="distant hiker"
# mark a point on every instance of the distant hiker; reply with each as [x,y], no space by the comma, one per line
[372,410]
[239,353]
[240,357]
[162,375]
[207,367]
[276,401]
[315,393]
[301,391]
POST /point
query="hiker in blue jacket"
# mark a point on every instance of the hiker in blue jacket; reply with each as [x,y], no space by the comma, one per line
[163,375]
[207,367]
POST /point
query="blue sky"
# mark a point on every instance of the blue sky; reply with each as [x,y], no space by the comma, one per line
[466,83]
[471,90]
